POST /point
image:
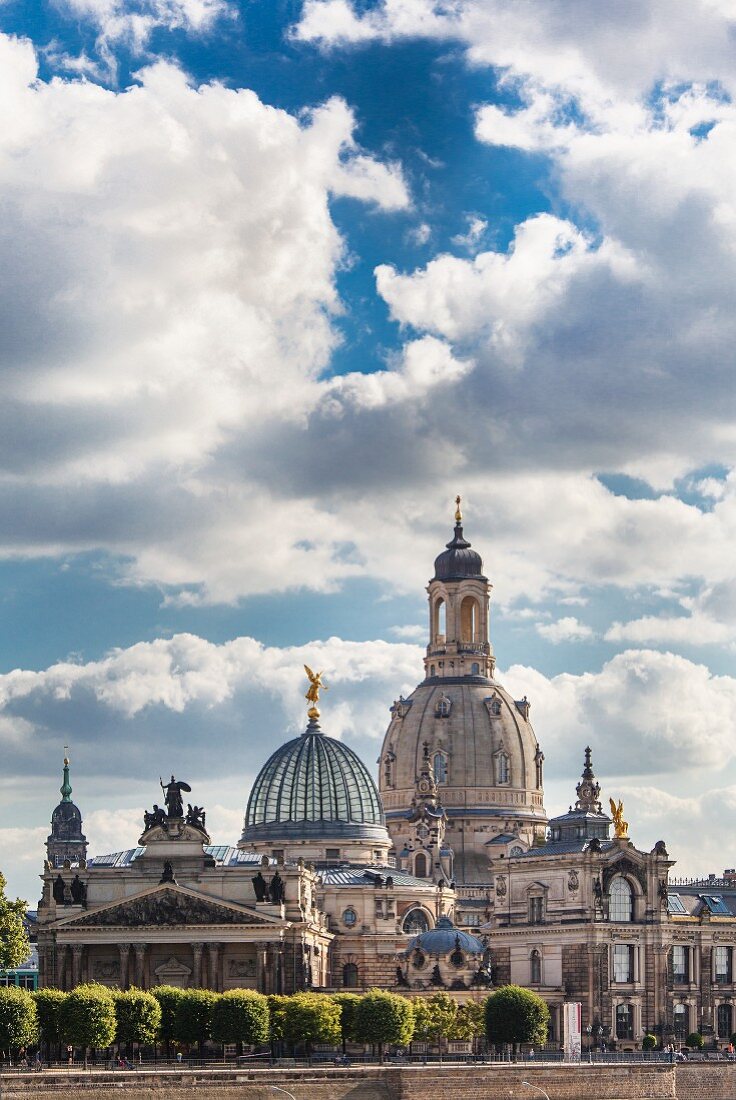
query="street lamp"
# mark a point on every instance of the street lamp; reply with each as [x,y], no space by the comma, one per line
[529,1085]
[589,1033]
[277,1089]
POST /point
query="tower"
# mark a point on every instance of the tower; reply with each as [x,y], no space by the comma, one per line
[66,840]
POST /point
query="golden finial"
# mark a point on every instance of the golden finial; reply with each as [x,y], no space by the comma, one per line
[458,513]
[316,684]
[66,756]
[621,827]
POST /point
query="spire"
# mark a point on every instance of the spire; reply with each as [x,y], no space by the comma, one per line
[66,787]
[588,789]
[458,513]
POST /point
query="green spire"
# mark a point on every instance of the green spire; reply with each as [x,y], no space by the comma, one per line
[66,787]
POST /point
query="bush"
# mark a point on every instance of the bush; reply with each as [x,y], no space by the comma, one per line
[515,1015]
[87,1017]
[348,1003]
[384,1018]
[241,1016]
[695,1040]
[18,1019]
[312,1018]
[193,1023]
[48,1007]
[277,1010]
[168,997]
[649,1042]
[138,1016]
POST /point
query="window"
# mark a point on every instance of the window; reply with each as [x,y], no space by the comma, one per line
[680,967]
[349,917]
[332,853]
[502,768]
[623,962]
[440,621]
[723,970]
[621,901]
[681,1021]
[470,920]
[439,766]
[420,865]
[469,619]
[350,976]
[277,854]
[535,968]
[415,922]
[624,1022]
[516,851]
[431,670]
[475,669]
[27,981]
[724,1021]
[536,910]
[444,706]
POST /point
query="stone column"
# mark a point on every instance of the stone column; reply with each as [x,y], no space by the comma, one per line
[140,958]
[124,949]
[60,964]
[197,971]
[213,950]
[77,954]
[261,967]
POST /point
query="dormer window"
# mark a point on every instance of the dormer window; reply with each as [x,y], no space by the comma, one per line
[503,768]
[444,706]
[439,767]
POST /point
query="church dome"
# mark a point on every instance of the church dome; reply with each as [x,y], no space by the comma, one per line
[314,786]
[444,938]
[458,561]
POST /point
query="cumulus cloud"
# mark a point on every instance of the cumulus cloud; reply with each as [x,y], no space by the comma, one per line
[566,629]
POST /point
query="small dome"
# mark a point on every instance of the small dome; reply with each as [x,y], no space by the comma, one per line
[458,561]
[444,938]
[314,786]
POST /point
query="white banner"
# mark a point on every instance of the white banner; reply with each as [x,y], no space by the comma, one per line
[572,1016]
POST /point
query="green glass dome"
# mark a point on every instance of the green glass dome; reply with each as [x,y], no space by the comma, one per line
[314,786]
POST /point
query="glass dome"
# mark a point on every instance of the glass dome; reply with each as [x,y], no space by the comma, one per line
[314,786]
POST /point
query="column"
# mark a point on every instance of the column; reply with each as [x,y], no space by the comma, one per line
[140,958]
[77,954]
[197,972]
[213,950]
[124,949]
[60,964]
[261,967]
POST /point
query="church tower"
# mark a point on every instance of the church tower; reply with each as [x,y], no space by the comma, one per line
[66,840]
[475,738]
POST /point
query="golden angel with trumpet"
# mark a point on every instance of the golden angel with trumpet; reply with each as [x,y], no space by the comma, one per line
[620,826]
[316,684]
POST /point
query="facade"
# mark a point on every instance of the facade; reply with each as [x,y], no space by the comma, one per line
[447,875]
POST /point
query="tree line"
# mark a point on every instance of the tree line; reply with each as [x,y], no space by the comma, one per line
[95,1017]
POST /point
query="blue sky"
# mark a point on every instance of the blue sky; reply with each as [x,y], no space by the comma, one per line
[277,280]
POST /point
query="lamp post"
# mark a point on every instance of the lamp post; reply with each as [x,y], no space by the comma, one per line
[277,1089]
[529,1085]
[589,1033]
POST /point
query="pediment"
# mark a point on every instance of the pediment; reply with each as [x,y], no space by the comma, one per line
[169,906]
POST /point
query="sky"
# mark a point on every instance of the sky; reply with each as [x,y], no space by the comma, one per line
[278,279]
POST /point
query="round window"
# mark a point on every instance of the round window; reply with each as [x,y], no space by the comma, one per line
[349,917]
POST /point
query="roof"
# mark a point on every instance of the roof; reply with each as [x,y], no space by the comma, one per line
[224,855]
[458,560]
[369,876]
[563,847]
[688,902]
[444,938]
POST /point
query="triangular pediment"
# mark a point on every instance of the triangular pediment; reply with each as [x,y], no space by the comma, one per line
[168,906]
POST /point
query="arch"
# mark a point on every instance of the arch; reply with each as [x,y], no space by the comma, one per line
[620,900]
[469,620]
[420,865]
[624,1021]
[439,767]
[681,1019]
[724,1021]
[439,619]
[415,922]
[350,976]
[475,669]
[535,968]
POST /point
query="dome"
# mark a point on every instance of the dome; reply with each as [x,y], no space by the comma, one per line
[458,561]
[314,786]
[444,938]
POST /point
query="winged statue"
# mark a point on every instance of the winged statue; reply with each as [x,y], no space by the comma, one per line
[620,826]
[316,684]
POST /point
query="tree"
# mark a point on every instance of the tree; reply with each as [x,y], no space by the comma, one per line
[434,1017]
[48,1007]
[277,1012]
[649,1042]
[18,1019]
[312,1018]
[193,1022]
[470,1022]
[384,1018]
[87,1017]
[241,1016]
[138,1016]
[15,947]
[168,997]
[695,1040]
[516,1015]
[348,1003]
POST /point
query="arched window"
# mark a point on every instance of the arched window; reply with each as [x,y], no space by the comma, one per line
[469,620]
[624,1022]
[535,968]
[620,900]
[431,670]
[350,976]
[420,865]
[415,922]
[439,766]
[725,1016]
[682,1021]
[349,917]
[475,669]
[439,624]
[503,771]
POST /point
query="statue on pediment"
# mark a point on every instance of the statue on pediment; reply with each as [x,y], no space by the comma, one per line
[157,816]
[172,796]
[276,889]
[195,816]
[260,886]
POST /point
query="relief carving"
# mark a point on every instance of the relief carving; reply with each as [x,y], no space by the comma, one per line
[168,907]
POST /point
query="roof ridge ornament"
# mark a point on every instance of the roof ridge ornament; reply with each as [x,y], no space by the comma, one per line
[66,788]
[458,513]
[316,684]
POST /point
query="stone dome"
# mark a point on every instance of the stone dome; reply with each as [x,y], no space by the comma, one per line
[458,561]
[314,786]
[444,938]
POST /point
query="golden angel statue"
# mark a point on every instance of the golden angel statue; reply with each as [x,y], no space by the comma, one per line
[620,826]
[316,684]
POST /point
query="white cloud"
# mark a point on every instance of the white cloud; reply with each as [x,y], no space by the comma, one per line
[133,21]
[567,629]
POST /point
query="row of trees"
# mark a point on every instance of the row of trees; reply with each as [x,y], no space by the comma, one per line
[93,1016]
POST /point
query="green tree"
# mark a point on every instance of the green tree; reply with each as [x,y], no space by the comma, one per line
[193,1022]
[15,947]
[312,1018]
[138,1016]
[241,1016]
[348,1003]
[515,1015]
[48,1005]
[695,1040]
[434,1017]
[649,1042]
[168,997]
[277,1012]
[87,1017]
[470,1022]
[384,1018]
[18,1019]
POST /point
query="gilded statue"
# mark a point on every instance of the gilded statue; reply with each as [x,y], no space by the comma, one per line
[316,684]
[620,826]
